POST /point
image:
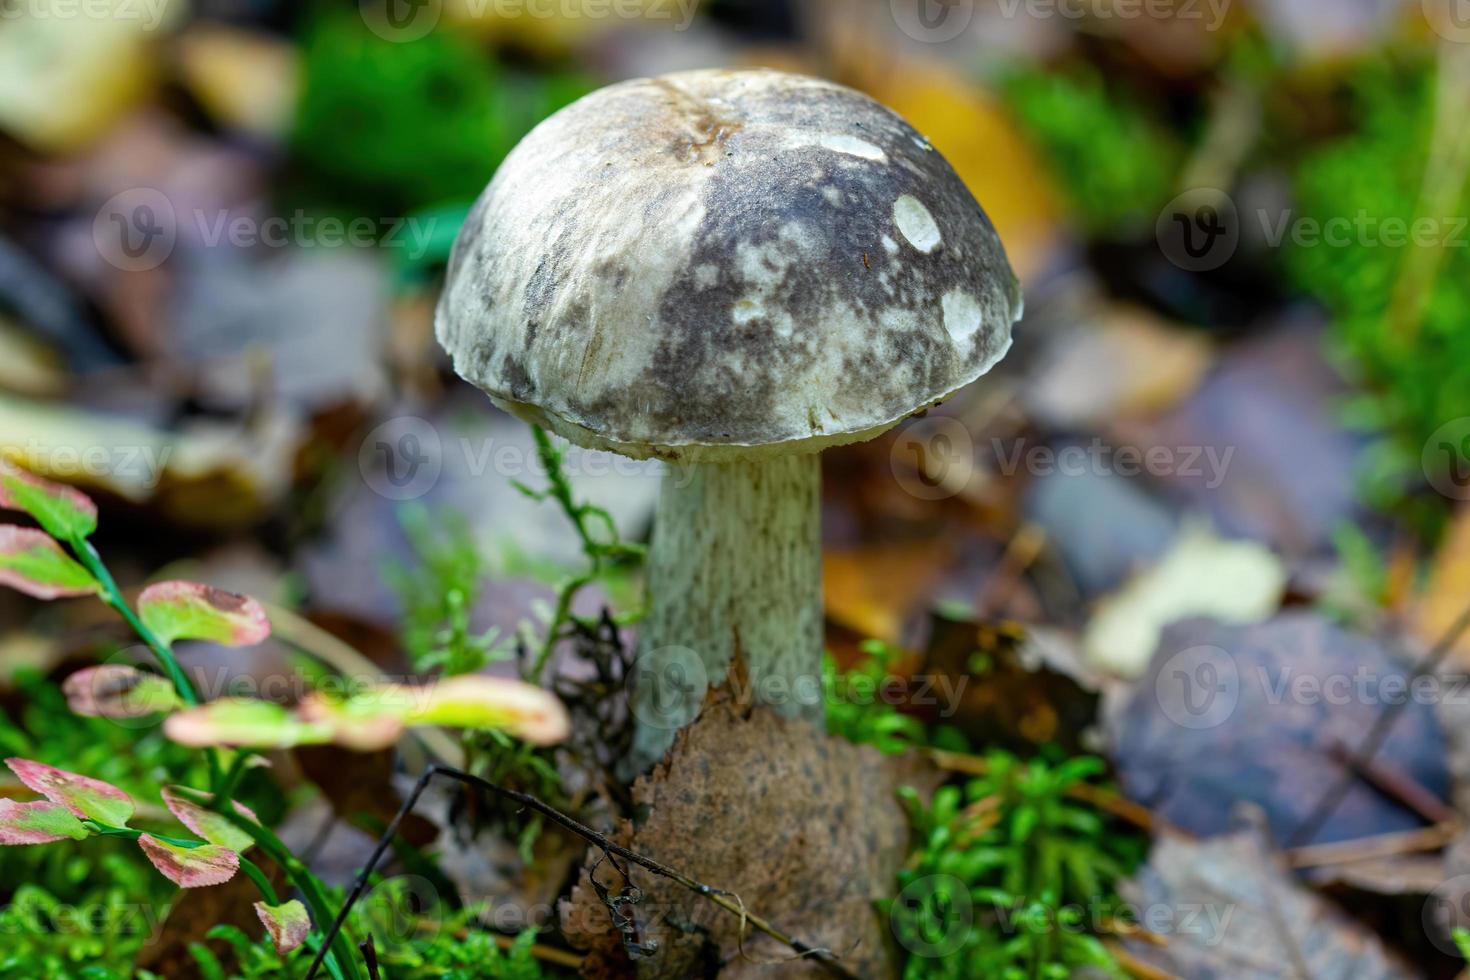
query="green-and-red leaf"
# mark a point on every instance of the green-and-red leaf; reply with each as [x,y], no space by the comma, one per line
[119,691]
[190,611]
[287,923]
[37,822]
[191,867]
[63,511]
[359,724]
[85,797]
[477,701]
[245,723]
[32,562]
[212,826]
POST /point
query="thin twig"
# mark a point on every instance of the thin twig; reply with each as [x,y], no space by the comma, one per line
[1400,786]
[723,899]
[1377,735]
[1377,846]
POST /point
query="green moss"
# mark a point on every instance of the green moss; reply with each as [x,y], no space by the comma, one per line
[385,127]
[1416,376]
[1114,158]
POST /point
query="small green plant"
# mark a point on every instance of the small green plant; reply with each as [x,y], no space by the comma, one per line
[1112,156]
[1031,868]
[410,943]
[57,560]
[856,709]
[1399,297]
[439,591]
[606,554]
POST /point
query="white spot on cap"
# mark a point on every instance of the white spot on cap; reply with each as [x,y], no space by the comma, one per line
[889,245]
[916,223]
[833,196]
[962,315]
[840,143]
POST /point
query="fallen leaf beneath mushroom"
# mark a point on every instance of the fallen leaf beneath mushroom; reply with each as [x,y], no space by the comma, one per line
[804,828]
[1226,911]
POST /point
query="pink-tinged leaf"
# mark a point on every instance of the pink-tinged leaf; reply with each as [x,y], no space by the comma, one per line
[85,797]
[477,701]
[37,822]
[119,691]
[190,611]
[360,725]
[212,826]
[61,510]
[191,867]
[32,562]
[245,723]
[287,924]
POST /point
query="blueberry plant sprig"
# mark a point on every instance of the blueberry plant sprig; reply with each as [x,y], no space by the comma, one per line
[77,807]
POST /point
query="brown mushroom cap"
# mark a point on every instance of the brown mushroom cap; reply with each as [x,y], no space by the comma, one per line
[714,265]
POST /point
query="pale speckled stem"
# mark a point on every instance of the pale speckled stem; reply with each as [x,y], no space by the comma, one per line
[735,569]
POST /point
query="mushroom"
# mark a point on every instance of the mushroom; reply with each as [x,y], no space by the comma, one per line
[729,271]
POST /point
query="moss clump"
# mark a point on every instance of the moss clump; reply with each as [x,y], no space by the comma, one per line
[1411,353]
[1114,159]
[405,125]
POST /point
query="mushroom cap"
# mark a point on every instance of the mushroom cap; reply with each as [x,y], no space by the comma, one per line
[715,265]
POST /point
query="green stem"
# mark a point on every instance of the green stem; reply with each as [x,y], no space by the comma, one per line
[231,780]
[253,872]
[113,596]
[301,877]
[251,869]
[553,629]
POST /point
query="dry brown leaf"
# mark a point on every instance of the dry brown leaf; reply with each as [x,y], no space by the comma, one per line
[1128,363]
[246,79]
[1227,911]
[804,828]
[873,590]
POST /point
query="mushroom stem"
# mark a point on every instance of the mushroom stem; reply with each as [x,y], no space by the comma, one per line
[735,570]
